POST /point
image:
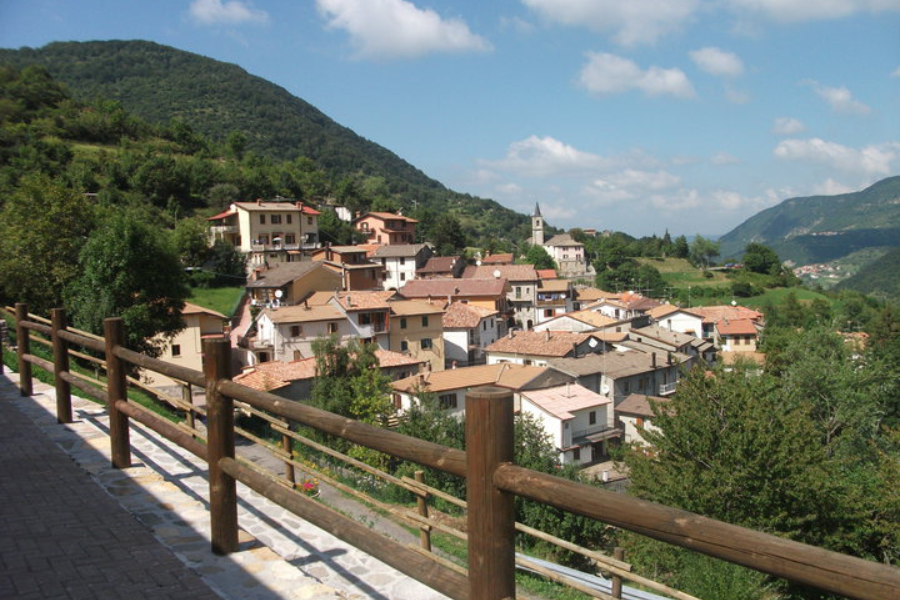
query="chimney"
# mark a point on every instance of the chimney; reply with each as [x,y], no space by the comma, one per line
[259,201]
[568,393]
[510,334]
[349,301]
[546,335]
[306,304]
[454,364]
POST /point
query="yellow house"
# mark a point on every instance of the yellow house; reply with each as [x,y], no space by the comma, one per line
[186,348]
[416,329]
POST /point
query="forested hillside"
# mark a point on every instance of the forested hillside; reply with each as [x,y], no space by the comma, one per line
[880,278]
[823,228]
[252,116]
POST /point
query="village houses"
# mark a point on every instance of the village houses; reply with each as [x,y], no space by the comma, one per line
[400,262]
[468,330]
[386,228]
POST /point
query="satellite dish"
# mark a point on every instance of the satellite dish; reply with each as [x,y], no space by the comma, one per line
[734,302]
[478,263]
[279,293]
[605,390]
[593,343]
[497,273]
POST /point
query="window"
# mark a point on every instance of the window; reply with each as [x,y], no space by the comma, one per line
[402,322]
[309,220]
[592,417]
[402,276]
[402,260]
[264,239]
[425,321]
[448,400]
[288,219]
[548,312]
[332,327]
[290,239]
[176,350]
[296,330]
[639,421]
[398,402]
[518,292]
[426,343]
[276,220]
[576,454]
[262,219]
[404,346]
[298,355]
[484,326]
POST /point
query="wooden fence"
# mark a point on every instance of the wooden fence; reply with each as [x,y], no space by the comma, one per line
[492,479]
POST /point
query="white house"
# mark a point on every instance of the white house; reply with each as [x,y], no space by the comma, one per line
[579,421]
[675,318]
[635,415]
[468,330]
[400,262]
[287,333]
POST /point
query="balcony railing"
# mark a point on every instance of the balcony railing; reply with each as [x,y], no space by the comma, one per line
[667,388]
[223,229]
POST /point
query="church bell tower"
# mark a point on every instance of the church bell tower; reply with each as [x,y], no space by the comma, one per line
[537,226]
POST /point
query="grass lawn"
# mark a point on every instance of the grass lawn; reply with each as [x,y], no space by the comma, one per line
[678,272]
[776,296]
[220,299]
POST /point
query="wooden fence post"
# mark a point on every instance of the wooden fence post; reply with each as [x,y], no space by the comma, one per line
[491,514]
[618,554]
[23,347]
[287,443]
[422,503]
[187,395]
[220,444]
[117,389]
[61,365]
[3,338]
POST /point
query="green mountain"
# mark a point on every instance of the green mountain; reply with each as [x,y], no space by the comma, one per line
[819,229]
[878,278]
[159,84]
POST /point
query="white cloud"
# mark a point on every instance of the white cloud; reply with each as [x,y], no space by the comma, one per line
[631,23]
[788,126]
[878,159]
[606,74]
[830,187]
[723,158]
[717,62]
[786,11]
[546,156]
[736,96]
[387,29]
[838,98]
[228,12]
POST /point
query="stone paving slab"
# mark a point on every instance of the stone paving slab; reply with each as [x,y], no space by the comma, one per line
[167,491]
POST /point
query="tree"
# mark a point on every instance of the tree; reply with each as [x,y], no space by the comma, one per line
[539,257]
[190,240]
[128,270]
[447,236]
[681,249]
[227,263]
[703,251]
[759,258]
[43,227]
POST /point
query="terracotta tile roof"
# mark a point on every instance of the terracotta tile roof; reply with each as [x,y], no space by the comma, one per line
[365,300]
[510,272]
[384,216]
[713,314]
[498,259]
[546,273]
[563,239]
[614,364]
[639,404]
[554,285]
[562,401]
[590,294]
[416,307]
[638,302]
[736,327]
[539,343]
[660,312]
[222,215]
[283,274]
[277,207]
[655,332]
[319,298]
[422,288]
[194,309]
[439,264]
[506,375]
[301,314]
[398,251]
[388,359]
[591,317]
[465,316]
[274,375]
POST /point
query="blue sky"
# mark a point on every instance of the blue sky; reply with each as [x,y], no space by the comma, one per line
[637,116]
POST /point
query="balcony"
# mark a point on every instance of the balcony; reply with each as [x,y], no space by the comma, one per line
[223,229]
[594,434]
[551,302]
[667,389]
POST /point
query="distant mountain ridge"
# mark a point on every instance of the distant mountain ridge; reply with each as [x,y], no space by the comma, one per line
[159,83]
[820,229]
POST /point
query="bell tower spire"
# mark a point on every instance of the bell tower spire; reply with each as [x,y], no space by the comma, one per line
[537,226]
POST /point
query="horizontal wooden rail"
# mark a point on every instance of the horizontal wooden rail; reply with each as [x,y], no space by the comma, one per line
[91,343]
[40,362]
[160,366]
[847,575]
[90,390]
[45,329]
[164,428]
[392,553]
[401,446]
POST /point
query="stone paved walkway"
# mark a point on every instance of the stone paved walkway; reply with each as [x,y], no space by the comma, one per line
[167,492]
